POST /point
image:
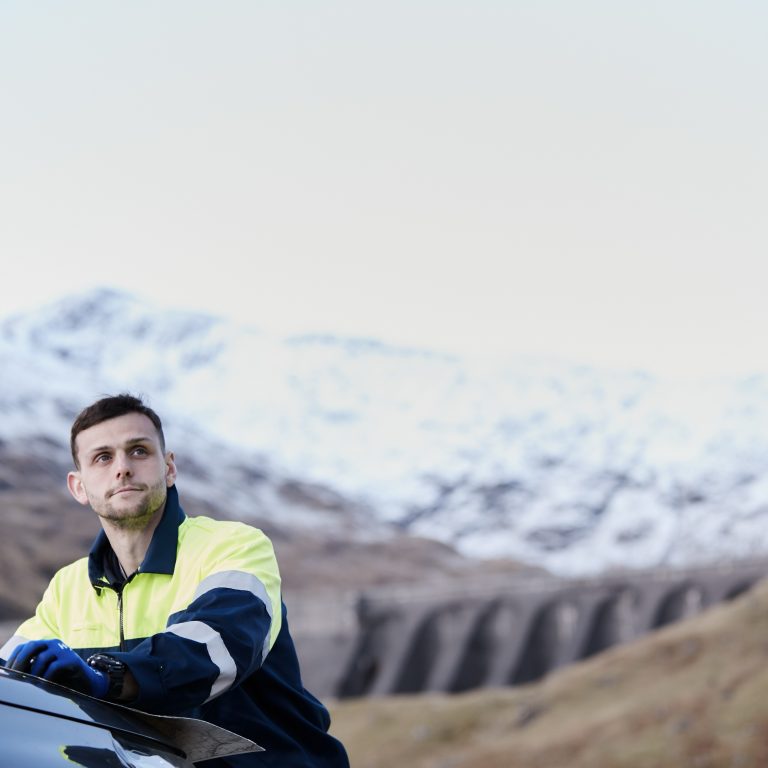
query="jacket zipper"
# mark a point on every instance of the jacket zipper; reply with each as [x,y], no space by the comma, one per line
[118,590]
[120,609]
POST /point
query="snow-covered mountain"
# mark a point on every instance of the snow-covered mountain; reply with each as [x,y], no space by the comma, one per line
[570,468]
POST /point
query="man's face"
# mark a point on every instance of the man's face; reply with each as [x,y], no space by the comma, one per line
[123,474]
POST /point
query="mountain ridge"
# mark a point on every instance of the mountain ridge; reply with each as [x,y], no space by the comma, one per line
[566,467]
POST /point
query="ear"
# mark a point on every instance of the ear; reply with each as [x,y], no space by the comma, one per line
[76,488]
[170,469]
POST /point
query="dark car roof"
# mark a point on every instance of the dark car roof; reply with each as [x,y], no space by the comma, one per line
[198,739]
[28,692]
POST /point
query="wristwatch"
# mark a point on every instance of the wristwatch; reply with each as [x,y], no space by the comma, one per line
[114,669]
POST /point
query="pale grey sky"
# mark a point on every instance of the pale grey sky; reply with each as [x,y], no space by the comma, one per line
[572,179]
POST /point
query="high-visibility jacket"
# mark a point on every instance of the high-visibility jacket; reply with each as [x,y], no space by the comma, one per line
[202,627]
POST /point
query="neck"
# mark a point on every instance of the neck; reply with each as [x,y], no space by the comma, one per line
[131,545]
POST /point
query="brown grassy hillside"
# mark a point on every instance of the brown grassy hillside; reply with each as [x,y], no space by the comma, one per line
[694,694]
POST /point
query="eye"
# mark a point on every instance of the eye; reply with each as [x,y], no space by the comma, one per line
[101,458]
[140,451]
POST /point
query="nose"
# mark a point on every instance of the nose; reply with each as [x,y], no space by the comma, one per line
[123,465]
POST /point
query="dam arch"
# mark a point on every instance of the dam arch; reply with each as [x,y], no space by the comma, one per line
[550,630]
[680,603]
[491,632]
[612,622]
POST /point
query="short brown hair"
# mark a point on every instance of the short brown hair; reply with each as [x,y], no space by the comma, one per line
[110,408]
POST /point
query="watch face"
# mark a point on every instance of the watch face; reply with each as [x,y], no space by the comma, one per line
[113,669]
[106,663]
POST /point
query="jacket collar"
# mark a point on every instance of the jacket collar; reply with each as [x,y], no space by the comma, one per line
[161,554]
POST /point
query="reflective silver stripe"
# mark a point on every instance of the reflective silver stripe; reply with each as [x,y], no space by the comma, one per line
[246,582]
[11,645]
[202,633]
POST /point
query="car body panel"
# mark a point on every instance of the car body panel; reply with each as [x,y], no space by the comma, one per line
[33,739]
[45,722]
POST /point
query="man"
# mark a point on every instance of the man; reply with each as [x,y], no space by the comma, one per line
[171,614]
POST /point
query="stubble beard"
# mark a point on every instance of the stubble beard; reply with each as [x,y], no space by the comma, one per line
[137,517]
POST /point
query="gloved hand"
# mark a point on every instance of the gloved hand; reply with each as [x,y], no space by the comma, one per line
[55,661]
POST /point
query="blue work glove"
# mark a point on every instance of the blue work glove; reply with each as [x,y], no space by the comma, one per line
[55,661]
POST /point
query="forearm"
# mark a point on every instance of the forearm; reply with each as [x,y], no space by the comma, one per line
[130,688]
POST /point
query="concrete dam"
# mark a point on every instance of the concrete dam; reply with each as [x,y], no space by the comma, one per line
[494,634]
